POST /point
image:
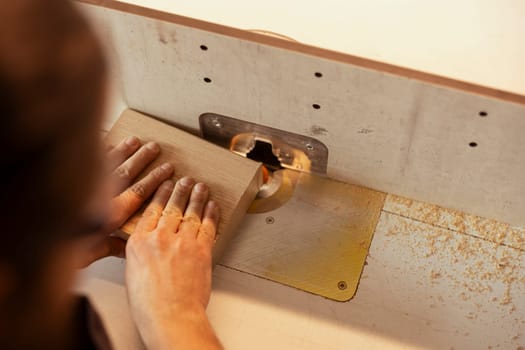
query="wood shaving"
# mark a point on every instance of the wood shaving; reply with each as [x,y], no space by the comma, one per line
[476,266]
[455,220]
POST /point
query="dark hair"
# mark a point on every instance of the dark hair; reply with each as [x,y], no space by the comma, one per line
[52,75]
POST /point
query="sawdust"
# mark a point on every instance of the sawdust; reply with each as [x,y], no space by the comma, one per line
[471,316]
[516,237]
[435,274]
[454,220]
[477,268]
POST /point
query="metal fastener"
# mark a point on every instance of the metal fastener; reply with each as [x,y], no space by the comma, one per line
[270,220]
[341,285]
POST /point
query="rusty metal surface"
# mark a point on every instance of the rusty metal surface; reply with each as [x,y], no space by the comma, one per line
[313,234]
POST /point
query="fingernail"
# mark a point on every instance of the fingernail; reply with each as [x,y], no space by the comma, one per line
[132,141]
[200,187]
[187,181]
[153,146]
[166,166]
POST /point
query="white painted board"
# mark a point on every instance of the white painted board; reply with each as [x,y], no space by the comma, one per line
[405,135]
[471,40]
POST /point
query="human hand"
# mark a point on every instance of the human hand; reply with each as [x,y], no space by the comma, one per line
[168,269]
[126,161]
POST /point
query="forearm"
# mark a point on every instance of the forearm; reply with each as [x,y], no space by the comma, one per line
[168,268]
[191,330]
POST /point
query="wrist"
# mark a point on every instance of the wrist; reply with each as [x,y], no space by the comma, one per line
[176,326]
[183,316]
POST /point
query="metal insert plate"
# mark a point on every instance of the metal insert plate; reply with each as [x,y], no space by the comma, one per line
[312,234]
[294,151]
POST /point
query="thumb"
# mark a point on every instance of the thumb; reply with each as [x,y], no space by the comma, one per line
[109,246]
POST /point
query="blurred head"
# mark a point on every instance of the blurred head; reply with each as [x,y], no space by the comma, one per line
[52,86]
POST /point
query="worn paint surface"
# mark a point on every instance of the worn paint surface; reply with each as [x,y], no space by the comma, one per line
[317,241]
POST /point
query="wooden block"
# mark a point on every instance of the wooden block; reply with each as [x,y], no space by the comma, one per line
[233,180]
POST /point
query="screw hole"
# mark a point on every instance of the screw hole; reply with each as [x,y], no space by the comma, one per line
[473,144]
[341,285]
[483,114]
[319,74]
[207,80]
[316,106]
[270,220]
[309,147]
[204,47]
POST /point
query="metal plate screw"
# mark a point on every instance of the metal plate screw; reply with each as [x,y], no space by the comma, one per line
[341,285]
[289,147]
[309,147]
[270,220]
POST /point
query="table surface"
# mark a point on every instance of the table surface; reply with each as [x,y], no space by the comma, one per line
[434,279]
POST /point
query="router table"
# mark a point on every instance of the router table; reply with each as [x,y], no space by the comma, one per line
[449,275]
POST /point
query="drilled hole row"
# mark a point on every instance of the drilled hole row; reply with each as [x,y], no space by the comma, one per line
[317,106]
[482,114]
[208,80]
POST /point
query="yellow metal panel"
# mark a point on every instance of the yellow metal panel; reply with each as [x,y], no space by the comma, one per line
[316,241]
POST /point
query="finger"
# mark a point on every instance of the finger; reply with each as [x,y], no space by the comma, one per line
[114,247]
[193,214]
[118,154]
[153,211]
[109,246]
[210,221]
[127,203]
[174,211]
[133,166]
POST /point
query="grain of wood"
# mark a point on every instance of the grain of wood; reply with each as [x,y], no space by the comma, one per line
[233,180]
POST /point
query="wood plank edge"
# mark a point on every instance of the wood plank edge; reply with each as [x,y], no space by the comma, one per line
[238,214]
